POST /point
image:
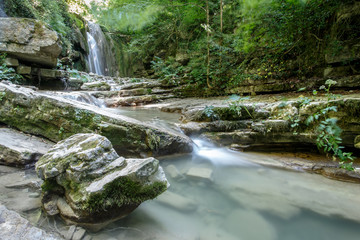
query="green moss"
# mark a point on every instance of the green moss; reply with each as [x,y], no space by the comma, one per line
[50,185]
[122,192]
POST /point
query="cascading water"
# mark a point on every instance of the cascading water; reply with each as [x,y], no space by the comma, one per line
[96,42]
[94,56]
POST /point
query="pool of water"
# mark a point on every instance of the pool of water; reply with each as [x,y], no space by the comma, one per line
[216,193]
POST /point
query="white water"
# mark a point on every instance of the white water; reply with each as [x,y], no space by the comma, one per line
[94,56]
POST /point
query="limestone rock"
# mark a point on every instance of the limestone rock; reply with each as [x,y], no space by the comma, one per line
[200,173]
[29,40]
[23,70]
[13,226]
[11,62]
[57,118]
[96,86]
[99,186]
[19,149]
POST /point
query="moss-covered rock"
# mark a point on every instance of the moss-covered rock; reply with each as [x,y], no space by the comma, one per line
[29,40]
[57,118]
[93,185]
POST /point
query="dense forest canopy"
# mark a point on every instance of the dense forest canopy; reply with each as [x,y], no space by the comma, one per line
[214,45]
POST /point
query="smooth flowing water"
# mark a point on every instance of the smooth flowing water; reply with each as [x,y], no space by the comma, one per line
[94,56]
[217,193]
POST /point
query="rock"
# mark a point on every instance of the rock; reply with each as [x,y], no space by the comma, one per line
[100,187]
[357,142]
[57,118]
[51,206]
[200,173]
[177,202]
[74,83]
[34,195]
[334,72]
[70,233]
[29,40]
[96,86]
[28,183]
[13,226]
[11,62]
[23,70]
[246,224]
[79,234]
[173,172]
[19,149]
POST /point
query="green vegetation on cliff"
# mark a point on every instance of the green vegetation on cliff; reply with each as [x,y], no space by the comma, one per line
[215,45]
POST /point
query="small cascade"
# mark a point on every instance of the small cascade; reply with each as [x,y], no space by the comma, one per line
[207,151]
[83,97]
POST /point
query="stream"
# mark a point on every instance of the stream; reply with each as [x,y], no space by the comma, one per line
[217,193]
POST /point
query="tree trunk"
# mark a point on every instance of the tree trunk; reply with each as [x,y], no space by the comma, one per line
[208,44]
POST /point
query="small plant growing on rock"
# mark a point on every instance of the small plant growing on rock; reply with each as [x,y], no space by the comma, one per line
[209,112]
[235,105]
[326,129]
[8,73]
[2,95]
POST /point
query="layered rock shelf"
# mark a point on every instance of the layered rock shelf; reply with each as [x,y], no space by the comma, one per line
[57,118]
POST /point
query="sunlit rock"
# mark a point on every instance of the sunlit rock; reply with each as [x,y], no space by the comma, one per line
[29,40]
[95,186]
[56,118]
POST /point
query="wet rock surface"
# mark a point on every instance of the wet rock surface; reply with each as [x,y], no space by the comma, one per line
[91,185]
[29,40]
[56,118]
[19,149]
[13,227]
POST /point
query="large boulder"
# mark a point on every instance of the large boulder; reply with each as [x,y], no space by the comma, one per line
[29,40]
[89,184]
[57,118]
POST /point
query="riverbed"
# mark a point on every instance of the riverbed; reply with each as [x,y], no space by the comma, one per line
[217,193]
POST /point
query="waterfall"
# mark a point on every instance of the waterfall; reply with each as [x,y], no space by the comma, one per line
[97,45]
[94,57]
[2,12]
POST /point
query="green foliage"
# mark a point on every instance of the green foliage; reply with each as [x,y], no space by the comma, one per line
[9,73]
[169,71]
[76,74]
[209,112]
[236,105]
[2,95]
[326,129]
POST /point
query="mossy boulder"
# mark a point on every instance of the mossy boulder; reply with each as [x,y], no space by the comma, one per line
[91,185]
[29,40]
[57,118]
